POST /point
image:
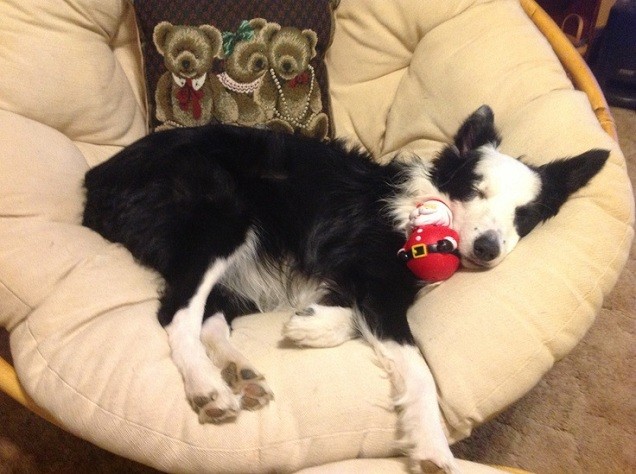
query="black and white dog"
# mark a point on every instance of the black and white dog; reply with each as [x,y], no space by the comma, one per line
[239,220]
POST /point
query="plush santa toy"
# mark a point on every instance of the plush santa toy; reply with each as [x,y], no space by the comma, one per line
[430,252]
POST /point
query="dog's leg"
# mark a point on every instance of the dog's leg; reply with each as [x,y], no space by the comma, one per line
[321,326]
[205,388]
[415,398]
[245,381]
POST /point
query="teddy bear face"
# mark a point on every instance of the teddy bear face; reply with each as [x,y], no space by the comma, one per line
[248,61]
[290,51]
[188,51]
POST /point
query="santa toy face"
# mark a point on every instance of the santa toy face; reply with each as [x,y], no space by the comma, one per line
[431,212]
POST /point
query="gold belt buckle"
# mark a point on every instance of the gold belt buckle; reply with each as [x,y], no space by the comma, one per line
[419,251]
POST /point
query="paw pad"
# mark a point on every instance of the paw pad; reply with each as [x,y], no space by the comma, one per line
[249,384]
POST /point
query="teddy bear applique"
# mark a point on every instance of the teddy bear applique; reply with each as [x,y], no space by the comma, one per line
[246,63]
[290,93]
[266,78]
[187,93]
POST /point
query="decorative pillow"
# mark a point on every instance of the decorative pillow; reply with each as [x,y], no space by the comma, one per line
[247,62]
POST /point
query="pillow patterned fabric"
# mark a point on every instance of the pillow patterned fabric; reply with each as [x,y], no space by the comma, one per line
[247,62]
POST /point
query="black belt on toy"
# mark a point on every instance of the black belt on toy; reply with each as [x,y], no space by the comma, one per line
[422,250]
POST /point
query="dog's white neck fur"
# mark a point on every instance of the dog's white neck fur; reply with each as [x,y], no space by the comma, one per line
[417,189]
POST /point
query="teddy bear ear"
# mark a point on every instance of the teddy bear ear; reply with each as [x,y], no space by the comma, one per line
[159,35]
[312,39]
[269,30]
[215,37]
[257,24]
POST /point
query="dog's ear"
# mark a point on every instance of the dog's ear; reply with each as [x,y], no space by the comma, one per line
[477,130]
[565,177]
[559,179]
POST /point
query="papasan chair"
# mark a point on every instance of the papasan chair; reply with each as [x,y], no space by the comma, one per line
[76,86]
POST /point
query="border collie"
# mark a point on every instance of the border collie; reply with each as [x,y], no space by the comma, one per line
[238,220]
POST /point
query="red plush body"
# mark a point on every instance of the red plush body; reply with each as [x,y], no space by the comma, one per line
[430,252]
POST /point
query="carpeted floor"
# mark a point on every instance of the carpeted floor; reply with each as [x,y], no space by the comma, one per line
[581,418]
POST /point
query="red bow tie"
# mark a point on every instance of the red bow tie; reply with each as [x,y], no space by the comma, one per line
[188,95]
[302,78]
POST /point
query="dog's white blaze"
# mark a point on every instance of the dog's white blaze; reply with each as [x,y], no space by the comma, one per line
[506,184]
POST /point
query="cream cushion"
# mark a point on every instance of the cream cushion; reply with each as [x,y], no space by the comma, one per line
[403,75]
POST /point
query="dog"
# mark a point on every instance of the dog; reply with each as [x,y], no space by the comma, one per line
[238,220]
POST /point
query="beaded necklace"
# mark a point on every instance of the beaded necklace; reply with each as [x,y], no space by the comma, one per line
[285,115]
[240,87]
[172,123]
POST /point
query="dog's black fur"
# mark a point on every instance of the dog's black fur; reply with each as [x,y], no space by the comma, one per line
[178,199]
[211,207]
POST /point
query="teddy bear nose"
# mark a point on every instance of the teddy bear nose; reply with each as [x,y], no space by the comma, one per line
[287,66]
[185,63]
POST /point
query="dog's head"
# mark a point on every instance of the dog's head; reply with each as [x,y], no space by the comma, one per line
[497,199]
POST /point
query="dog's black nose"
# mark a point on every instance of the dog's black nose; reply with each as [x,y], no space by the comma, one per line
[486,246]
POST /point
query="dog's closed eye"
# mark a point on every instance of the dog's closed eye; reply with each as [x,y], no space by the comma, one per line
[482,190]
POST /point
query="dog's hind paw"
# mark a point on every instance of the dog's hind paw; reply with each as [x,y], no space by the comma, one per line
[440,464]
[250,385]
[214,407]
[255,395]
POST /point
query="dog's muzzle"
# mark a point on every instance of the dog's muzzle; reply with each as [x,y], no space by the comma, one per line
[486,247]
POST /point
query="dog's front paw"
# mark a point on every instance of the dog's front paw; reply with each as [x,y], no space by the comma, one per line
[249,385]
[320,326]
